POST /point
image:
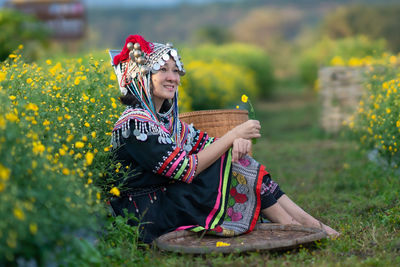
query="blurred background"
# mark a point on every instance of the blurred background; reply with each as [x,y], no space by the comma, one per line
[323,77]
[292,37]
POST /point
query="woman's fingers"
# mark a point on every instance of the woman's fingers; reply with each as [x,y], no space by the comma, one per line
[241,147]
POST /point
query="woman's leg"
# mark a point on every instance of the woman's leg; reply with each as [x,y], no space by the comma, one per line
[277,214]
[303,217]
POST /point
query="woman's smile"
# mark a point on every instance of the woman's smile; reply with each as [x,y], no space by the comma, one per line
[165,83]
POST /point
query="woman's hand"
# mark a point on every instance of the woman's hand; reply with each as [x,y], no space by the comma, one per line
[240,148]
[247,130]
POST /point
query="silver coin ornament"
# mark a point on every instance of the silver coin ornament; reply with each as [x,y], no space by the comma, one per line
[187,147]
[156,66]
[136,132]
[174,53]
[165,57]
[161,62]
[143,137]
[137,53]
[125,133]
[132,55]
[129,46]
[169,44]
[136,46]
[169,141]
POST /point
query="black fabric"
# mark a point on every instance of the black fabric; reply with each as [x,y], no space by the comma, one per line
[173,205]
[272,193]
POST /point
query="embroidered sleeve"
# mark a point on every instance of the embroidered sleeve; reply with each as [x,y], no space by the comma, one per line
[193,139]
[153,149]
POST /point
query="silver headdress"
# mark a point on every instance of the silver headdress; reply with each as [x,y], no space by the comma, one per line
[134,66]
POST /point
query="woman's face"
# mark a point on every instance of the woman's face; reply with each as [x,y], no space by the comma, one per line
[165,83]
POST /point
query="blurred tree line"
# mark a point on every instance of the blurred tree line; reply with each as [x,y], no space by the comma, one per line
[372,21]
[21,29]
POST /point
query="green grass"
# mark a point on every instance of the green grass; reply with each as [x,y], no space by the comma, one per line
[331,179]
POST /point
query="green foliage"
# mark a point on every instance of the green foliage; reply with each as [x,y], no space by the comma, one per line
[212,34]
[21,29]
[377,122]
[214,85]
[55,122]
[249,60]
[322,53]
[376,22]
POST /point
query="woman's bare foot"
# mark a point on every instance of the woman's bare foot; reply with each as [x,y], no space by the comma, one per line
[330,231]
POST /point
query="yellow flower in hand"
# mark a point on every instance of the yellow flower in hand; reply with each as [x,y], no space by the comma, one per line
[244,98]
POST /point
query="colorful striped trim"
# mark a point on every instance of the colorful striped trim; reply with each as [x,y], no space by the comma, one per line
[139,115]
[188,178]
[198,142]
[176,163]
[221,193]
[261,173]
[168,160]
[224,189]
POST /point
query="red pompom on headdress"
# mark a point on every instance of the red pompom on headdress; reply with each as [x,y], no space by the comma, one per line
[145,46]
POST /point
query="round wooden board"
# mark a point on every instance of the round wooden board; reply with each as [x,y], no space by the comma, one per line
[266,236]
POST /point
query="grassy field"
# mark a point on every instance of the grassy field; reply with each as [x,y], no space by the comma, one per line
[330,178]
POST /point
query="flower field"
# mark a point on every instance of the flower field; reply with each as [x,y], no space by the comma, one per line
[55,122]
[56,119]
[376,123]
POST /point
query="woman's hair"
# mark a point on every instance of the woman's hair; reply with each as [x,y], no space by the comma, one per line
[129,100]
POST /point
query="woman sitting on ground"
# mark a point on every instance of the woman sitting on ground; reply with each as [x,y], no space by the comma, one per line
[182,178]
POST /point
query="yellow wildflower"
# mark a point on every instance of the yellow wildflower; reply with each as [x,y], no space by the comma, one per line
[77,80]
[87,124]
[29,80]
[222,244]
[3,76]
[11,97]
[11,117]
[89,158]
[33,228]
[79,144]
[38,148]
[19,214]
[244,98]
[2,122]
[32,106]
[93,134]
[115,191]
[62,152]
[66,171]
[4,173]
[70,137]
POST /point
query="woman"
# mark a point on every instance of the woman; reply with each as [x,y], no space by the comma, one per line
[182,178]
